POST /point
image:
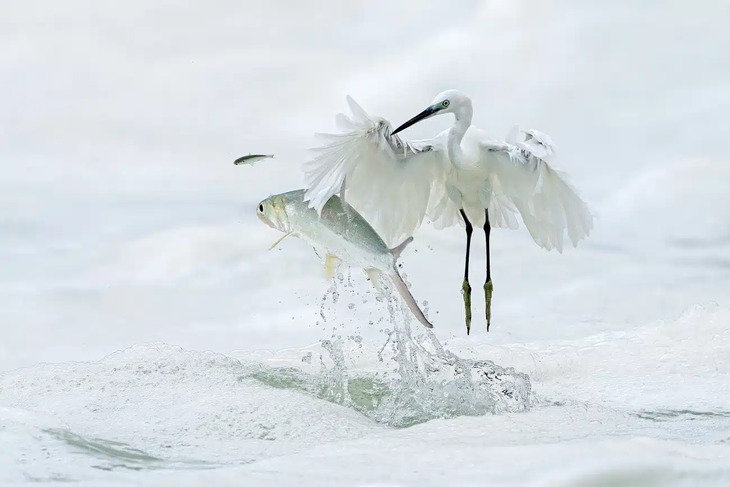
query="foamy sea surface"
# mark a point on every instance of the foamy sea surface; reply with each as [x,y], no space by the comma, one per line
[149,338]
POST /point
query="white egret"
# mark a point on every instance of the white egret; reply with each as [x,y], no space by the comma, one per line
[459,175]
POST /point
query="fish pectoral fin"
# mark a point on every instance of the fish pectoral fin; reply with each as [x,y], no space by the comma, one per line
[374,276]
[330,265]
[277,242]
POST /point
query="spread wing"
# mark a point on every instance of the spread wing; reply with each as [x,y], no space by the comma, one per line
[386,179]
[549,205]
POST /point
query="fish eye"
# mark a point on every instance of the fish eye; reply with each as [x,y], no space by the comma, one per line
[261,207]
[445,103]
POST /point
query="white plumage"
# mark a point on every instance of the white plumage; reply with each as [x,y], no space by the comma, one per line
[387,180]
[395,184]
[460,176]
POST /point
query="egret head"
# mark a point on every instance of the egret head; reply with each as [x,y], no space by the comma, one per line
[449,101]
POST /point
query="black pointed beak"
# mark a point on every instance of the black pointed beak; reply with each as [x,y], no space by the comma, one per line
[421,116]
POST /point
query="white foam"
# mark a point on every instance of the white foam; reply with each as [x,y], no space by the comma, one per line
[176,403]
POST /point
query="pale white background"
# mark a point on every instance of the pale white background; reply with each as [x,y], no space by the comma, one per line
[123,220]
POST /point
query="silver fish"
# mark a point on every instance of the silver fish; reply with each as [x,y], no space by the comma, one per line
[251,158]
[340,233]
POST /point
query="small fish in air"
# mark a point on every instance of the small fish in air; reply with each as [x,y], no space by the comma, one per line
[251,158]
[341,234]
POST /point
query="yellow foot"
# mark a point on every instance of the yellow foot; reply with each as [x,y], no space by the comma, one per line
[488,300]
[466,292]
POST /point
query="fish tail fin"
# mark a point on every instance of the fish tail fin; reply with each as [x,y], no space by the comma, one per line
[405,293]
[397,250]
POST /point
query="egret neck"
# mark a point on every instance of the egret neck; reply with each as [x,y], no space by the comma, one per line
[463,114]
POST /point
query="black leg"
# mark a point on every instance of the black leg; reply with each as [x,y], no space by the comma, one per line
[488,283]
[465,287]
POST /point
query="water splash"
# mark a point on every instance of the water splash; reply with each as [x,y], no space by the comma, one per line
[418,378]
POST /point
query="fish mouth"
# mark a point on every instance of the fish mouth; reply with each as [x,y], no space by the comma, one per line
[273,215]
[260,212]
[265,220]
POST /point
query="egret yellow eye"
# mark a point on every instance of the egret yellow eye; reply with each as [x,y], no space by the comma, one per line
[445,103]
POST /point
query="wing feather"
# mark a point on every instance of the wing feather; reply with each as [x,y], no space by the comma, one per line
[387,180]
[549,205]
